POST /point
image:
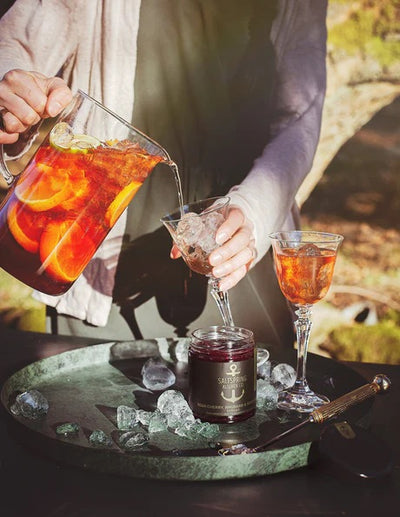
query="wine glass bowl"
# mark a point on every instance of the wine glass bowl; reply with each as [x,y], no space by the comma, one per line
[193,228]
[304,265]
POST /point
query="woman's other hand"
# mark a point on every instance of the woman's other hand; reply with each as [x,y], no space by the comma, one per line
[236,252]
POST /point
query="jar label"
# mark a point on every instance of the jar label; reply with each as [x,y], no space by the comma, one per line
[222,389]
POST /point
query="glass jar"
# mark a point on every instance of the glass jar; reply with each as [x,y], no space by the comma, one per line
[222,374]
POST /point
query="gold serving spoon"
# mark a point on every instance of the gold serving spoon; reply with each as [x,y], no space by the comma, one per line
[380,384]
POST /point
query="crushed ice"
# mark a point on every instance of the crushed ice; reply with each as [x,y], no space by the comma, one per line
[30,404]
[156,375]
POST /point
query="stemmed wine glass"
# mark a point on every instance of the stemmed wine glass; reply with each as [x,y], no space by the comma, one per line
[304,264]
[193,228]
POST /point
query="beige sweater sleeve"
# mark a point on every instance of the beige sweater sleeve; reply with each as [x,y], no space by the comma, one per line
[39,36]
[267,194]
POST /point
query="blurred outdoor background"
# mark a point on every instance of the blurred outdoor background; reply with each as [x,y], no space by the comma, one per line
[353,189]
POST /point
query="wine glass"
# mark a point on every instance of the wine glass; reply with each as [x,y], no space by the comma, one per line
[193,228]
[304,264]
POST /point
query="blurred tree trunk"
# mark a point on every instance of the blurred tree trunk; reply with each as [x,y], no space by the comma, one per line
[363,66]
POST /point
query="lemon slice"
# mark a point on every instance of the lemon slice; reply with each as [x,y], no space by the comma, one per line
[63,138]
[83,142]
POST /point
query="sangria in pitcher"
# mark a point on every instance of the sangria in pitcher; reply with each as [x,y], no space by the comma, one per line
[73,190]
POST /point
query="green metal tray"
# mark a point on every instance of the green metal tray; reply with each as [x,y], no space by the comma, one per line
[87,384]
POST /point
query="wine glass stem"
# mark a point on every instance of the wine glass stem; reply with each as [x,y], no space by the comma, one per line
[303,328]
[222,300]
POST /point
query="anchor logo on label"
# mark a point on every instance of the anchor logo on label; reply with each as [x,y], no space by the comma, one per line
[233,370]
[233,398]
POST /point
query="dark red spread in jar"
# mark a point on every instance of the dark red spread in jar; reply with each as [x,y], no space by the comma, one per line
[222,374]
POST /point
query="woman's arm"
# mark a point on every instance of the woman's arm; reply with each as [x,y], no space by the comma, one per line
[267,194]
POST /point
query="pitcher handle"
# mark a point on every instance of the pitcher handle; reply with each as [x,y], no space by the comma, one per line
[10,178]
[23,144]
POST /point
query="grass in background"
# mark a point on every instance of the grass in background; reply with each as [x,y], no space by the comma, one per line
[18,309]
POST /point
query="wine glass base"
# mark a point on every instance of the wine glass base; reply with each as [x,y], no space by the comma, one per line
[301,402]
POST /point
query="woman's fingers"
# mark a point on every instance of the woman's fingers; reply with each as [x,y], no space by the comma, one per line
[26,97]
[230,226]
[233,259]
[235,272]
[58,95]
[22,96]
[13,124]
[235,253]
[175,252]
[6,137]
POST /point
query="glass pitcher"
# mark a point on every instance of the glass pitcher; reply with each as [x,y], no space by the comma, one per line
[71,193]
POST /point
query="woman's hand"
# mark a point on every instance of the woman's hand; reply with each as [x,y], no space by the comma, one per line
[25,98]
[233,258]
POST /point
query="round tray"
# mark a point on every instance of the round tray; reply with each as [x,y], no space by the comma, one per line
[86,386]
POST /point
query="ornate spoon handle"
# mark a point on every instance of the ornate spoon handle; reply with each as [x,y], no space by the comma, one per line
[380,383]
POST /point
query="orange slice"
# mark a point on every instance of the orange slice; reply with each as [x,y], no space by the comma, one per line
[122,200]
[25,226]
[79,185]
[43,187]
[65,250]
